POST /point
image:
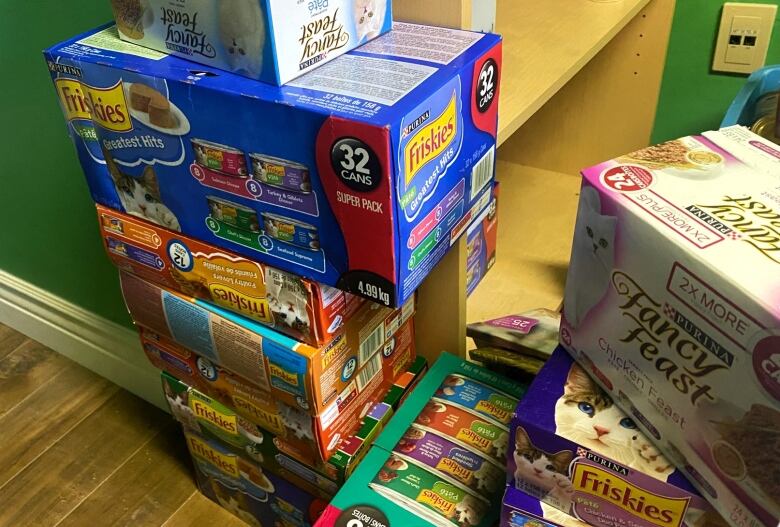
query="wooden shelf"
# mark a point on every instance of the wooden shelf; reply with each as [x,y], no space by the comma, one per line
[536,212]
[546,42]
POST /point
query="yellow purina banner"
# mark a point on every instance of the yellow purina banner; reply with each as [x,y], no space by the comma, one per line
[104,106]
[658,510]
[431,140]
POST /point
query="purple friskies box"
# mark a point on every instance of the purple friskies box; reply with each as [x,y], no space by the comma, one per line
[518,509]
[468,467]
[575,450]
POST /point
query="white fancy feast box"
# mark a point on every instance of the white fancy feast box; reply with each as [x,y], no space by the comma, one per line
[673,302]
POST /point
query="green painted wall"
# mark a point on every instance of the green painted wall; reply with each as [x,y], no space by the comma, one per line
[48,226]
[693,98]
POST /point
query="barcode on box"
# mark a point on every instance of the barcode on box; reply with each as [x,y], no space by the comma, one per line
[369,371]
[482,172]
[372,343]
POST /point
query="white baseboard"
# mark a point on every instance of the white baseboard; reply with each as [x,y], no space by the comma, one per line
[110,350]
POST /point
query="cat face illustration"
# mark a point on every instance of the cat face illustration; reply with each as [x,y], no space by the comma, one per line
[297,422]
[469,511]
[587,415]
[535,466]
[369,18]
[488,478]
[242,33]
[592,258]
[141,196]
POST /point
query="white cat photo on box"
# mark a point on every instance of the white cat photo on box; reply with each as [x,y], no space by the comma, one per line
[592,260]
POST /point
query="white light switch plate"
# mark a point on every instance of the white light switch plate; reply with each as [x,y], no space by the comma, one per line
[743,38]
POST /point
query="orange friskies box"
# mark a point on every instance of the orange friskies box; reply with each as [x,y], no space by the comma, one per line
[310,440]
[302,309]
[297,374]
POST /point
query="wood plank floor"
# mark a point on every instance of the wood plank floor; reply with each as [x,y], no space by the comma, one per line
[77,450]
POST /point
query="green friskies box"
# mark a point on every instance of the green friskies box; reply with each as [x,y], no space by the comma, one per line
[440,459]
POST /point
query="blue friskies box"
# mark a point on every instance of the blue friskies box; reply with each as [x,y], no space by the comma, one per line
[269,40]
[574,450]
[359,175]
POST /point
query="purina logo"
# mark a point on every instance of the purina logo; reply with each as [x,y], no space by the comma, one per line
[604,462]
[411,127]
[64,68]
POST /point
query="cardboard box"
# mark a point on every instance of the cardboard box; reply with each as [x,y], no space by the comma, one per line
[301,309]
[518,509]
[243,437]
[481,241]
[360,175]
[299,375]
[672,304]
[435,477]
[241,486]
[353,449]
[309,439]
[269,40]
[574,449]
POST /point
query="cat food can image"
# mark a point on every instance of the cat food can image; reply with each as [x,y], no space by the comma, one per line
[280,173]
[333,162]
[268,40]
[233,214]
[310,378]
[468,429]
[291,231]
[476,472]
[765,127]
[477,397]
[569,440]
[224,159]
[704,279]
[427,493]
[131,17]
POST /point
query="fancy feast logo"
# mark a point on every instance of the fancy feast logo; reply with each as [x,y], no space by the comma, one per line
[757,223]
[182,34]
[104,106]
[319,37]
[431,140]
[655,509]
[685,364]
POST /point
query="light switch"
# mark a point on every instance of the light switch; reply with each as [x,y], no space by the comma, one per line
[743,38]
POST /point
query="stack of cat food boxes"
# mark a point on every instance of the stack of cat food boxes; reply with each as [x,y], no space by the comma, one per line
[671,414]
[270,238]
[440,460]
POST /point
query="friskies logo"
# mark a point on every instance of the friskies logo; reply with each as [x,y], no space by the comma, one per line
[655,509]
[431,140]
[104,106]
